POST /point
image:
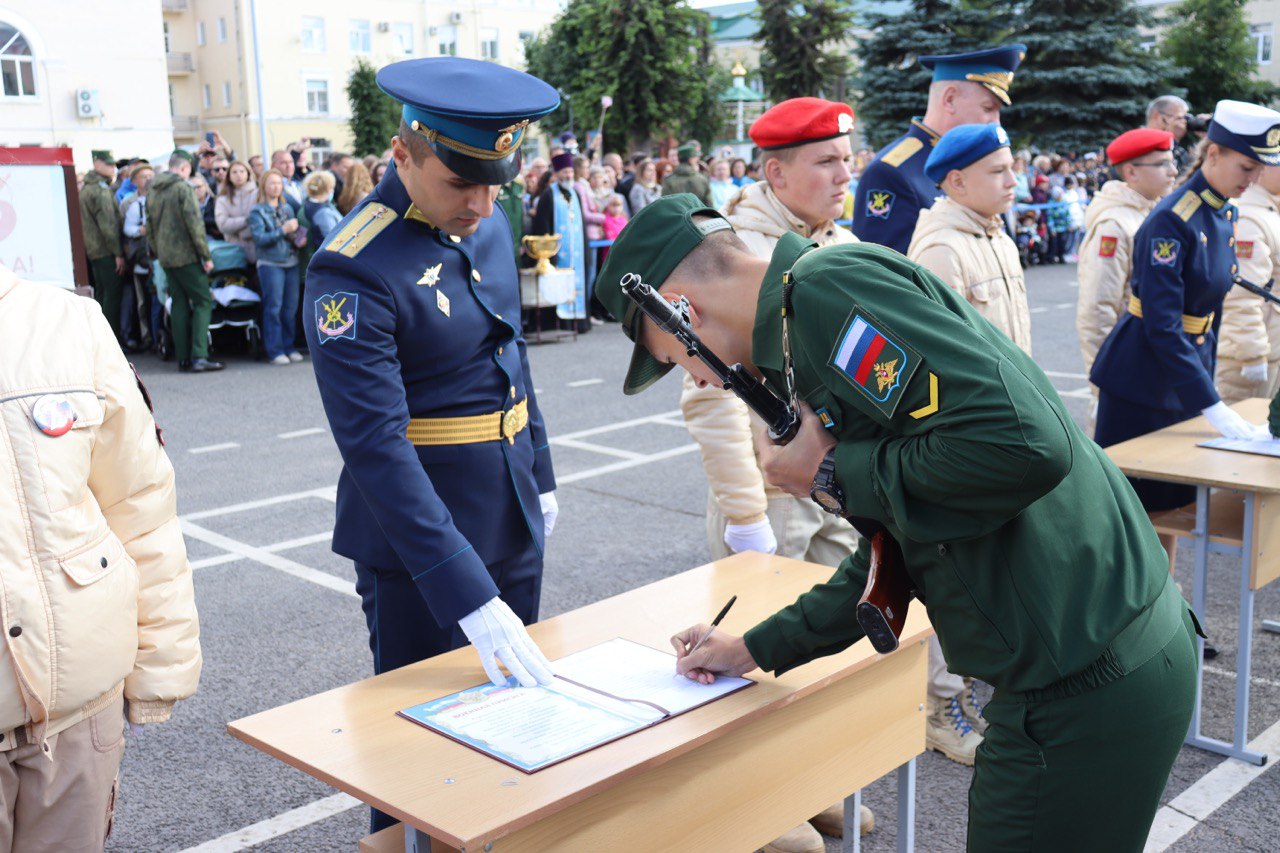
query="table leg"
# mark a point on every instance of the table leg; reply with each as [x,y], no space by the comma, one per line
[1199,578]
[416,841]
[907,807]
[852,841]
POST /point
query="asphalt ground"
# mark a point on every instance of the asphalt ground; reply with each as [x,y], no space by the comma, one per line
[256,472]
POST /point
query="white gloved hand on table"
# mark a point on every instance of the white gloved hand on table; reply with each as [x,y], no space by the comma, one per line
[498,635]
[550,511]
[1231,425]
[757,536]
[1254,372]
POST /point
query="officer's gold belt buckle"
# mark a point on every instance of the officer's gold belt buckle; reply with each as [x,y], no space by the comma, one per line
[1191,324]
[471,429]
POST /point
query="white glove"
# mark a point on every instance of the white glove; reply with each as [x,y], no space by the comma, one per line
[550,510]
[498,635]
[751,537]
[1254,372]
[1231,425]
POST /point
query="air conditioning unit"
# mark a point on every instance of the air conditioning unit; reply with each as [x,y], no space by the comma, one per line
[87,105]
[383,27]
[455,17]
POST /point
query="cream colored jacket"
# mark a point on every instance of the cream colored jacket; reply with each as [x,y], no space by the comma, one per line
[1250,331]
[95,587]
[718,421]
[231,213]
[1106,262]
[975,256]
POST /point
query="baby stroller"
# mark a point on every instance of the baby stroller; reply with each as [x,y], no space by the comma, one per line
[1030,241]
[237,304]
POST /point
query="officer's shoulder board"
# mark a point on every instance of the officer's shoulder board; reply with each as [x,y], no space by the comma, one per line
[902,152]
[352,237]
[1187,205]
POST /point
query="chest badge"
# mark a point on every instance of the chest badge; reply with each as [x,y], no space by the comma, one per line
[442,302]
[430,276]
[53,414]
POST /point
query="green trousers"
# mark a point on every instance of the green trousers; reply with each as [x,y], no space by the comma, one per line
[1083,771]
[108,290]
[192,306]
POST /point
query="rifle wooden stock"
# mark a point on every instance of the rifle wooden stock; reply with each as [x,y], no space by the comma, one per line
[882,610]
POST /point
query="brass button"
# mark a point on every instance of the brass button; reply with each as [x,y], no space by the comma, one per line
[513,392]
[497,316]
[475,274]
[1233,268]
[1200,340]
[1231,241]
[455,238]
[499,350]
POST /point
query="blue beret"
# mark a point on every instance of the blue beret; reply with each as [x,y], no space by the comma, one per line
[474,114]
[993,67]
[1247,128]
[963,146]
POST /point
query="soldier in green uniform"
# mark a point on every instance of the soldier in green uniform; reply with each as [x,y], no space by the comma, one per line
[686,178]
[100,218]
[935,424]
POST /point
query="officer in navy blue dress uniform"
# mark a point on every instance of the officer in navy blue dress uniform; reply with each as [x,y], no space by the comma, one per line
[1156,367]
[413,320]
[967,88]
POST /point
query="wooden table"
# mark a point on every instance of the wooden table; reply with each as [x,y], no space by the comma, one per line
[728,776]
[1237,512]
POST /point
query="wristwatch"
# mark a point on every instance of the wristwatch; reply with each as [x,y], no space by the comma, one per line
[825,491]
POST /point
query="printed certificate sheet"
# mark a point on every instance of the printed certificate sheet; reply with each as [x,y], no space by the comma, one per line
[1265,447]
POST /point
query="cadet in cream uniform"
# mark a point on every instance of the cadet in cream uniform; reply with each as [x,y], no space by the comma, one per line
[1249,341]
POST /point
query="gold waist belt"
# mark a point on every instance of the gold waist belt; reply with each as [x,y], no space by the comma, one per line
[1190,324]
[470,429]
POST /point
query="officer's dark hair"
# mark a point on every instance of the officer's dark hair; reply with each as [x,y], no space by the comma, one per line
[1198,155]
[419,148]
[713,256]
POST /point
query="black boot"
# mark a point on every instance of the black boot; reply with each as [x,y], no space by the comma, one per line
[184,366]
[204,365]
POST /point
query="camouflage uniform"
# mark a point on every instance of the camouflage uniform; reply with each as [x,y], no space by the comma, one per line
[100,219]
[177,234]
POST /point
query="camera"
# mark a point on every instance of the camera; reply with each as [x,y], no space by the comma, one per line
[1198,124]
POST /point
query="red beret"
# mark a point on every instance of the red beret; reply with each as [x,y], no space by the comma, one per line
[801,120]
[1135,143]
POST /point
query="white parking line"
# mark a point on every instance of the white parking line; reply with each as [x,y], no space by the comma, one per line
[299,433]
[274,548]
[596,448]
[1040,309]
[214,448]
[266,558]
[583,383]
[622,466]
[1083,393]
[327,493]
[1257,679]
[274,827]
[1058,374]
[1061,305]
[1209,793]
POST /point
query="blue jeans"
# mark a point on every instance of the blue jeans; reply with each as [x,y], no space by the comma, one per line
[279,304]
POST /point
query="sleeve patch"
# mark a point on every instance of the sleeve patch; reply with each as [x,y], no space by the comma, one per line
[336,316]
[879,203]
[874,360]
[1244,249]
[902,152]
[1107,249]
[1164,251]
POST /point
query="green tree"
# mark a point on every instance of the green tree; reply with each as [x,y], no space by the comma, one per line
[1209,42]
[894,86]
[1085,78]
[375,116]
[650,56]
[802,47]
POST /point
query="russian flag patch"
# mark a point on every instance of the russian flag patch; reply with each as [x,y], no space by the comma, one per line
[869,357]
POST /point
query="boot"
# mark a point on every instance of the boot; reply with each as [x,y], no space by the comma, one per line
[830,821]
[204,365]
[948,731]
[972,710]
[803,839]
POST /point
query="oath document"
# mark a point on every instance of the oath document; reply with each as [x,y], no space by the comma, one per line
[599,694]
[1262,447]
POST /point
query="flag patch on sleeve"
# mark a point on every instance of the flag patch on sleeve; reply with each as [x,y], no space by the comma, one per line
[1244,249]
[874,360]
[1107,249]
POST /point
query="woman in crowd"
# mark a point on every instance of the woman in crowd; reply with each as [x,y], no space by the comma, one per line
[646,188]
[722,185]
[322,216]
[355,186]
[275,232]
[236,197]
[738,171]
[204,198]
[379,169]
[601,185]
[592,216]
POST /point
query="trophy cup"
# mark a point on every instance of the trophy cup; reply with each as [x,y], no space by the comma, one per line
[543,247]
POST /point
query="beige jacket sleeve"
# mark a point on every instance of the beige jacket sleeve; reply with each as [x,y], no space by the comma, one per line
[721,425]
[1104,288]
[1243,334]
[132,480]
[943,261]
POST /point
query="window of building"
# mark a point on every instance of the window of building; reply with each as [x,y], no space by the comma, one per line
[166,36]
[313,35]
[171,109]
[17,67]
[206,97]
[318,97]
[489,44]
[359,37]
[222,30]
[200,37]
[447,41]
[402,34]
[226,93]
[1262,38]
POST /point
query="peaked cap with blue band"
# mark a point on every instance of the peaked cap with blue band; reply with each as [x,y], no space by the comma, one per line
[993,67]
[963,146]
[473,114]
[1248,128]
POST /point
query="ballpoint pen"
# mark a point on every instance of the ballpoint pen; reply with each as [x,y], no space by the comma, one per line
[714,623]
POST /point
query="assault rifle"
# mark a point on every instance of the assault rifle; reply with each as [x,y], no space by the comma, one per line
[1258,290]
[882,610]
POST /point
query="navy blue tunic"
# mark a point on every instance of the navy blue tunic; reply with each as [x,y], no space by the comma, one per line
[893,190]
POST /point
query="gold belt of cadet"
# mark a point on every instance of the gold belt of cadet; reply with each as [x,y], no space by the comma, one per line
[470,429]
[1191,324]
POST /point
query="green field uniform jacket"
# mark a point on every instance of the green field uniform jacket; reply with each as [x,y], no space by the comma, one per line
[686,179]
[100,218]
[174,223]
[1029,546]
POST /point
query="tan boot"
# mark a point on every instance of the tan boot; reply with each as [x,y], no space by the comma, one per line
[947,731]
[803,839]
[972,710]
[830,821]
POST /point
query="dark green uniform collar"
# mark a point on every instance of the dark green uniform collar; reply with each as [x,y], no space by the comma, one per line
[766,338]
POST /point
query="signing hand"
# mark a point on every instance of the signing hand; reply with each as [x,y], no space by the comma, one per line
[721,654]
[793,466]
